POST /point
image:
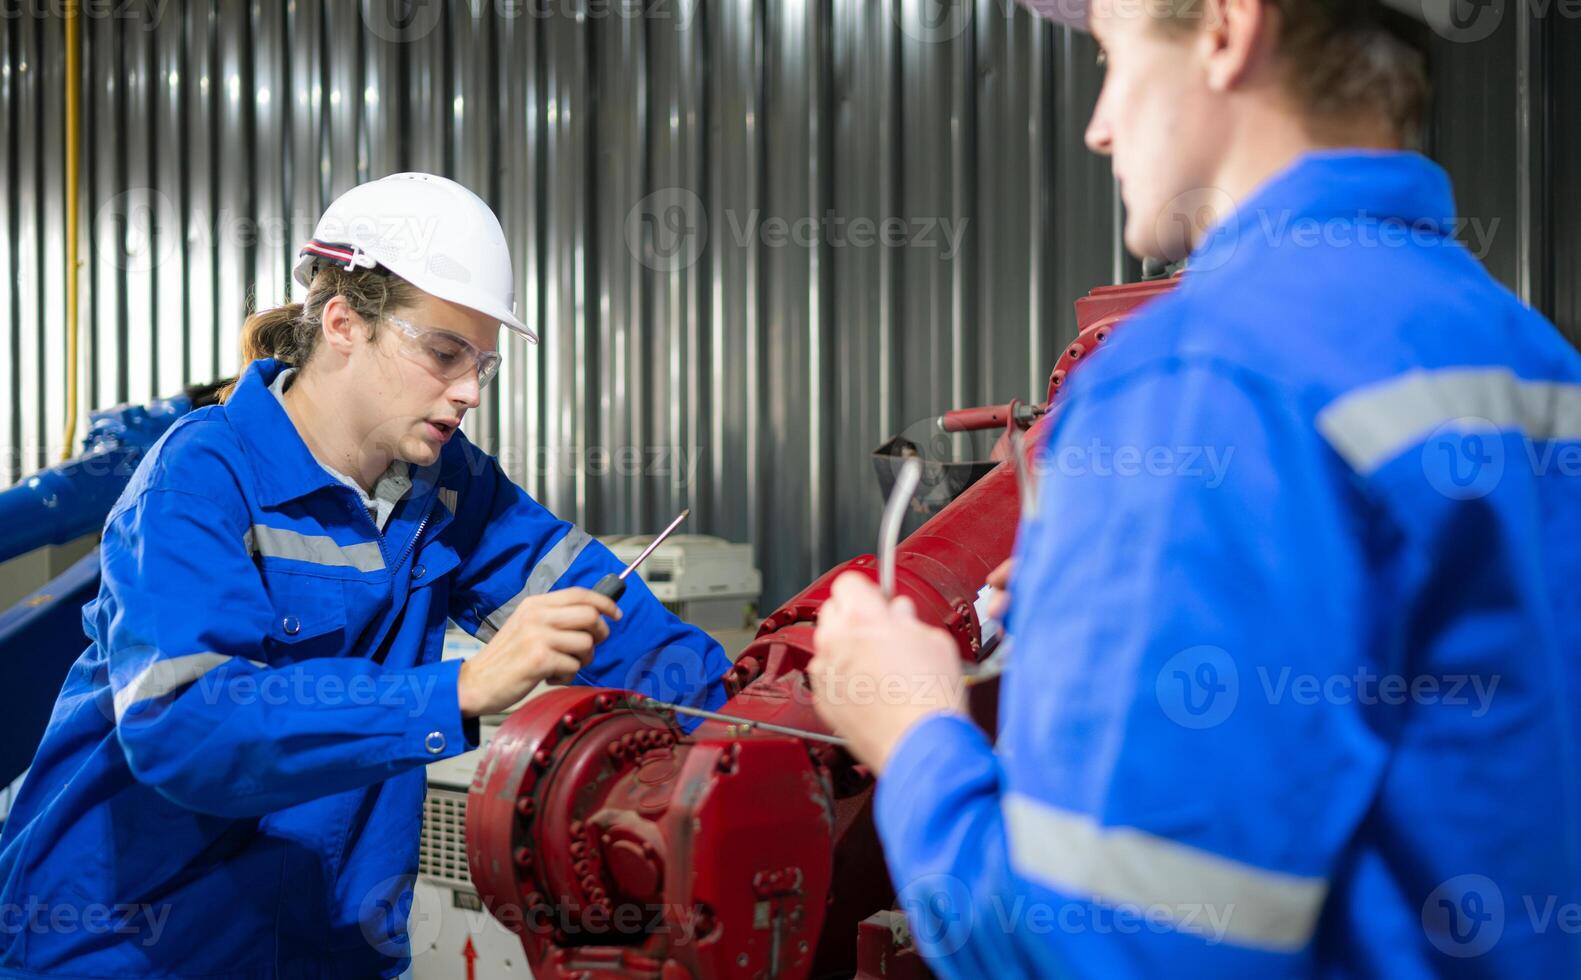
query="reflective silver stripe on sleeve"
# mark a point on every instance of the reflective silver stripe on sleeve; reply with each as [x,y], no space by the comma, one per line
[1370,426]
[1195,890]
[164,676]
[542,578]
[274,542]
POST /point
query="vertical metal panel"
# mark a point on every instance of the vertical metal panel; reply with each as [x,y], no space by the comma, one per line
[1533,193]
[267,224]
[50,207]
[1083,244]
[521,161]
[864,168]
[102,315]
[33,106]
[427,77]
[1010,218]
[344,49]
[10,354]
[1473,130]
[564,326]
[473,136]
[302,100]
[620,61]
[171,368]
[794,419]
[1562,157]
[205,319]
[235,155]
[736,157]
[379,132]
[681,183]
[931,42]
[145,219]
[676,400]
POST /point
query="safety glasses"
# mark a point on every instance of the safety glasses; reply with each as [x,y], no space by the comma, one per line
[443,353]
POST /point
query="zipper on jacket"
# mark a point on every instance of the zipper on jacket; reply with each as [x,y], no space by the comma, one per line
[422,526]
[378,535]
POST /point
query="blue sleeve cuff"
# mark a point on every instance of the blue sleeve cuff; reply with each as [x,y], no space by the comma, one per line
[913,783]
[437,730]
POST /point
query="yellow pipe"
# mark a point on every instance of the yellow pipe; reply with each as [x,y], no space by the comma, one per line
[73,94]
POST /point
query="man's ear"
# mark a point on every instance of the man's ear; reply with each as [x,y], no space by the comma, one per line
[1236,35]
[341,325]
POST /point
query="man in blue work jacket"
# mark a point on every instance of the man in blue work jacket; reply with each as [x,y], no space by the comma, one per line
[1313,711]
[231,784]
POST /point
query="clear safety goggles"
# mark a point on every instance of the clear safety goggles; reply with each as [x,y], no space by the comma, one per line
[443,353]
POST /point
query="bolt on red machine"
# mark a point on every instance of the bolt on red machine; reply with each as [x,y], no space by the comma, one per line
[615,845]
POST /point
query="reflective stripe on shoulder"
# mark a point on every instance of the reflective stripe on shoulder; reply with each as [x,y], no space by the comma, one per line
[542,578]
[319,549]
[448,497]
[1372,425]
[1197,891]
[164,676]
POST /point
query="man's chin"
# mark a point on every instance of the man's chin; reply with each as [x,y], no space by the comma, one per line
[1148,244]
[1144,247]
[419,451]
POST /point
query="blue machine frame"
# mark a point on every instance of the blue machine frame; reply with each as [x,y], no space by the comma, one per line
[41,636]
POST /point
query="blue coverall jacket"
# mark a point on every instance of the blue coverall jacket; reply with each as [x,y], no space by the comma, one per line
[1297,628]
[231,783]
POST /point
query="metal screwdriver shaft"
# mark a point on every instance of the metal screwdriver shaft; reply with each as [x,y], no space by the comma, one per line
[614,585]
[748,723]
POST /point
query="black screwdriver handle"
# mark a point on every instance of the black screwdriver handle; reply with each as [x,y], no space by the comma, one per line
[611,585]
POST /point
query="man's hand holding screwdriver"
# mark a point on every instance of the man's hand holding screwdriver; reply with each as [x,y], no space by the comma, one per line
[548,637]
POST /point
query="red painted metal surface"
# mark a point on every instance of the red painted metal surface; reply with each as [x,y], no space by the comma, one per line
[1097,313]
[614,845]
[990,417]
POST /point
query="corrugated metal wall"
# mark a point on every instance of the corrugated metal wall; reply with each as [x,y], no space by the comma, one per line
[697,195]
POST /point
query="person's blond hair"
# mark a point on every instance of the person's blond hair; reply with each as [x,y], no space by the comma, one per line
[290,333]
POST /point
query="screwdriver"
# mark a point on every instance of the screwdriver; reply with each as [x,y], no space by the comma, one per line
[614,585]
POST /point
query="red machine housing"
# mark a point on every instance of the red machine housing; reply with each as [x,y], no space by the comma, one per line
[615,845]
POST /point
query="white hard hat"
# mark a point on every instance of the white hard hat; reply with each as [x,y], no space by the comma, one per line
[430,231]
[1074,13]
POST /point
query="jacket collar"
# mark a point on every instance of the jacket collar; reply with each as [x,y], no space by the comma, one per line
[1336,189]
[283,467]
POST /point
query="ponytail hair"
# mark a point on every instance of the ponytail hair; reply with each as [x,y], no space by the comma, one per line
[274,333]
[290,333]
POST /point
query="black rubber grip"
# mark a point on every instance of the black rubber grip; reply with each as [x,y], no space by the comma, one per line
[611,585]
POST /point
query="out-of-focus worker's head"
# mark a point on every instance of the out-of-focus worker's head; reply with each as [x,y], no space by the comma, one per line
[1202,96]
[408,282]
